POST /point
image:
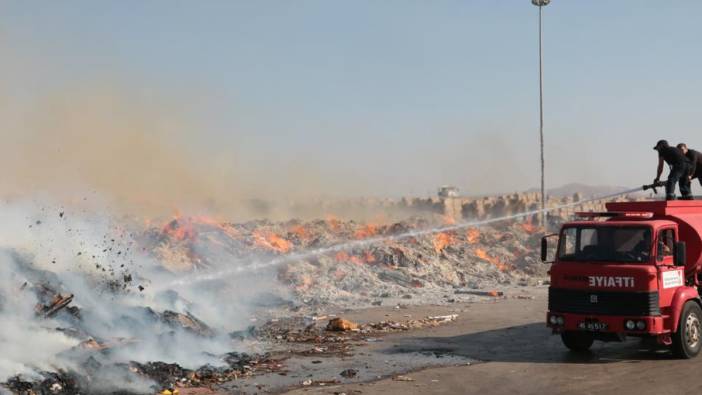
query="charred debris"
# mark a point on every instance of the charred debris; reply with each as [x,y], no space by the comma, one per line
[396,266]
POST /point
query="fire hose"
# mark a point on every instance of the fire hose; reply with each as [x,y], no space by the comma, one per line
[654,186]
[413,233]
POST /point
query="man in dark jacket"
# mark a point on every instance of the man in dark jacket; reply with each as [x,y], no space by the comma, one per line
[695,159]
[679,170]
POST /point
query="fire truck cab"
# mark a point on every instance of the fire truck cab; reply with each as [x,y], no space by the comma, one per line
[633,270]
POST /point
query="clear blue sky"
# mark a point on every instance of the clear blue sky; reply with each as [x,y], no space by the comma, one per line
[381,97]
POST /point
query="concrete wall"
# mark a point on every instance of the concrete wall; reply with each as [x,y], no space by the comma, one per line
[460,208]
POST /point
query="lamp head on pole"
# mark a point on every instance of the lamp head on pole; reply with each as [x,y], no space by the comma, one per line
[540,3]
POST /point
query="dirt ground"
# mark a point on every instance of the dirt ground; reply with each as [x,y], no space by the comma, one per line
[508,350]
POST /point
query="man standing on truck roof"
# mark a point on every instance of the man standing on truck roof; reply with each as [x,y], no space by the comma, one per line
[695,159]
[679,170]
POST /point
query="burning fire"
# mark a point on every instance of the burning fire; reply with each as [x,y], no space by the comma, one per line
[448,220]
[365,232]
[301,232]
[271,241]
[180,229]
[343,256]
[472,235]
[333,223]
[305,282]
[185,228]
[482,254]
[442,240]
[529,226]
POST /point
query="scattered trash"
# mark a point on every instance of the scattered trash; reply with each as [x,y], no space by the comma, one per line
[188,322]
[493,294]
[405,269]
[349,373]
[443,318]
[341,325]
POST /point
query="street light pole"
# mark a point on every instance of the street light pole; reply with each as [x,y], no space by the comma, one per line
[542,218]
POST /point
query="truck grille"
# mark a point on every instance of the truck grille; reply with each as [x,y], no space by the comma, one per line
[605,303]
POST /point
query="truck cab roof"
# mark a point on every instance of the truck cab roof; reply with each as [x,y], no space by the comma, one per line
[686,214]
[658,207]
[620,221]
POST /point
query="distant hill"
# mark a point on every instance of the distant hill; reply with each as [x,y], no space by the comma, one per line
[585,190]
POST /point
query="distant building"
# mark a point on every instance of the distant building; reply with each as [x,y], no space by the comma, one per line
[447,191]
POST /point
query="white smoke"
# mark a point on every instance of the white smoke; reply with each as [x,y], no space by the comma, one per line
[99,260]
[27,344]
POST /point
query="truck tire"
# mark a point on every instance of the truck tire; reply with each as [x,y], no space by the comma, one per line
[577,341]
[687,341]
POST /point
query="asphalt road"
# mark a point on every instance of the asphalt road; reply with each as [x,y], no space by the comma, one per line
[516,354]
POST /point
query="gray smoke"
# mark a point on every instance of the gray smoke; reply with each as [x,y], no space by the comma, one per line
[97,258]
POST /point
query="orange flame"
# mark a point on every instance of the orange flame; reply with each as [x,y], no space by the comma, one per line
[472,235]
[180,229]
[305,282]
[343,256]
[301,232]
[183,228]
[333,223]
[529,226]
[441,241]
[482,254]
[271,241]
[356,260]
[448,220]
[365,232]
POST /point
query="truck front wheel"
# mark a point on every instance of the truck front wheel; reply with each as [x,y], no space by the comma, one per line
[577,341]
[687,341]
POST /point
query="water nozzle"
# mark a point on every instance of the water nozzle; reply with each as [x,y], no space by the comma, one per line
[654,186]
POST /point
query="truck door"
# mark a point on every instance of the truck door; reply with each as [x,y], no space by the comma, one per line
[665,244]
[670,276]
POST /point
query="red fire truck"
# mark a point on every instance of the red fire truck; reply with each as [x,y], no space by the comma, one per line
[633,270]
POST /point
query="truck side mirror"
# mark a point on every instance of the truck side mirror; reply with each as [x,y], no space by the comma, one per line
[544,248]
[680,253]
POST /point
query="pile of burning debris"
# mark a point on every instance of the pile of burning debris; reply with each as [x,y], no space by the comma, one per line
[93,358]
[336,338]
[120,309]
[169,377]
[350,264]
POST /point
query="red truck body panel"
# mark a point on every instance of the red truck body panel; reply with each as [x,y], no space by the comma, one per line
[687,214]
[613,292]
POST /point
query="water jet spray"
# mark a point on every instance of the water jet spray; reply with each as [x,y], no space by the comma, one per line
[380,239]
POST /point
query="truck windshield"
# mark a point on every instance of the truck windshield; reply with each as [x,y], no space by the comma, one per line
[605,243]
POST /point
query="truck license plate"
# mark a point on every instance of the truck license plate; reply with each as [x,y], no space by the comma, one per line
[593,326]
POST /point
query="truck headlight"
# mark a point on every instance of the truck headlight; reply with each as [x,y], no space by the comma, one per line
[630,325]
[553,320]
[640,325]
[560,320]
